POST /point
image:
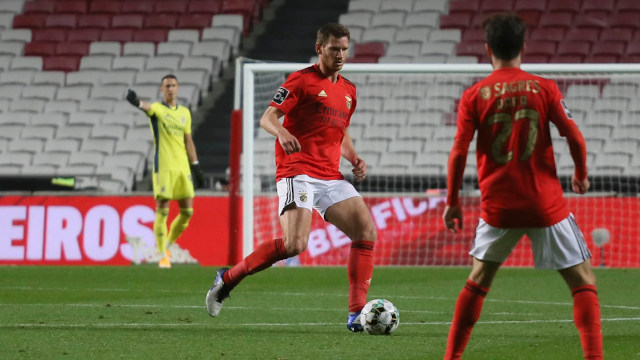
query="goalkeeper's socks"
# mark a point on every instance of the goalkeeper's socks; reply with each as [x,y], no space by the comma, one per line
[265,255]
[586,316]
[467,312]
[179,224]
[359,271]
[160,229]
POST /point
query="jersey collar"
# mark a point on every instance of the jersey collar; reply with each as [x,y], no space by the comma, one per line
[165,104]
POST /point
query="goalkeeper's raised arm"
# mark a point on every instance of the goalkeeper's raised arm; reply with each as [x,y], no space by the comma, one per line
[134,100]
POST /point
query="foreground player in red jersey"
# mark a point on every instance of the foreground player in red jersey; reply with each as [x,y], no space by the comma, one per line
[521,195]
[317,104]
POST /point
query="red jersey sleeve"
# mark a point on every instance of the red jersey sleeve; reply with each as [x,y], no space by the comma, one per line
[561,117]
[466,127]
[289,93]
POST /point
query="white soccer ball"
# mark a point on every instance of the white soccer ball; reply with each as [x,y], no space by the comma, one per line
[379,317]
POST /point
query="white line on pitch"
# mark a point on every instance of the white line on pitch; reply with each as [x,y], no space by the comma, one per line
[152,325]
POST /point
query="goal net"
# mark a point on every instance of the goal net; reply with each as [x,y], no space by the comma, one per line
[404,126]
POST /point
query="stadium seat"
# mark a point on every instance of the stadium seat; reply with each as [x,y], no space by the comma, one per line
[574,48]
[104,146]
[84,35]
[612,50]
[143,7]
[475,48]
[422,19]
[193,21]
[29,21]
[40,49]
[430,6]
[546,34]
[375,49]
[597,8]
[16,158]
[231,20]
[456,21]
[165,62]
[624,20]
[569,6]
[150,35]
[464,7]
[77,49]
[413,34]
[22,77]
[61,106]
[112,92]
[611,164]
[44,92]
[164,21]
[171,7]
[42,132]
[96,62]
[184,35]
[130,62]
[98,105]
[85,118]
[76,93]
[63,21]
[71,7]
[61,63]
[76,170]
[52,119]
[204,7]
[121,35]
[359,19]
[560,19]
[127,21]
[118,77]
[90,77]
[39,7]
[93,21]
[453,36]
[617,34]
[434,164]
[12,48]
[139,48]
[106,48]
[21,35]
[28,145]
[105,7]
[530,6]
[52,157]
[628,6]
[438,48]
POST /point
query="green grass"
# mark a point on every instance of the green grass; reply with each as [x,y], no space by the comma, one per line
[142,312]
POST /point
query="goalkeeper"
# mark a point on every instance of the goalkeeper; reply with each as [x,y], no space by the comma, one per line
[175,163]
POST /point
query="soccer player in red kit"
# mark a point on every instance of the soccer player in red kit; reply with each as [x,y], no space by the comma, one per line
[317,104]
[511,111]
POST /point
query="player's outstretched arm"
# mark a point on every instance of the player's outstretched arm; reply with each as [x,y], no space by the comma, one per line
[269,121]
[134,100]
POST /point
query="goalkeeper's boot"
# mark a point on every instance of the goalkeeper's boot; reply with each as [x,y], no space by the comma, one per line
[217,293]
[353,322]
[165,262]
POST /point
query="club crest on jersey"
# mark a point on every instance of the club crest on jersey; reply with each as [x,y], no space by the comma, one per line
[184,121]
[303,197]
[322,93]
[280,96]
[349,100]
[485,93]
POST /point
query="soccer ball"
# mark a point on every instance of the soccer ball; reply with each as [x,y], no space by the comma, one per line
[379,317]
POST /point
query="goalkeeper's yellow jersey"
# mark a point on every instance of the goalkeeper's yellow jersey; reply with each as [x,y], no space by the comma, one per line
[168,126]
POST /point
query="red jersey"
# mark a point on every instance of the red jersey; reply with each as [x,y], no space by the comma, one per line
[317,112]
[511,111]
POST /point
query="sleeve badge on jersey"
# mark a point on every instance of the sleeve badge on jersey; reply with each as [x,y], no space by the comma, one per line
[566,109]
[280,96]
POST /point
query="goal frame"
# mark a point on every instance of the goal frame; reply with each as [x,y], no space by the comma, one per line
[244,101]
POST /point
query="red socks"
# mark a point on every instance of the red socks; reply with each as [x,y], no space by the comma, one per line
[265,255]
[467,312]
[359,271]
[586,316]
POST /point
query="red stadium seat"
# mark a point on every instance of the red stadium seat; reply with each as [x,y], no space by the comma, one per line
[105,7]
[137,7]
[193,21]
[540,48]
[464,7]
[630,59]
[608,48]
[72,48]
[624,20]
[590,22]
[171,7]
[531,18]
[71,7]
[547,34]
[249,9]
[602,59]
[29,21]
[209,7]
[489,6]
[633,49]
[66,21]
[127,21]
[597,7]
[373,49]
[539,6]
[84,35]
[47,48]
[572,6]
[61,63]
[164,21]
[455,21]
[628,6]
[151,35]
[94,21]
[620,34]
[474,35]
[566,59]
[574,48]
[121,35]
[535,59]
[560,19]
[474,48]
[52,35]
[588,34]
[39,7]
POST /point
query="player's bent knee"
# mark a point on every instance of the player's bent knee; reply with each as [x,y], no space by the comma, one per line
[295,246]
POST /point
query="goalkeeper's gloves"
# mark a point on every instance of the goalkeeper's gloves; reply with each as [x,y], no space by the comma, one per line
[133,98]
[197,175]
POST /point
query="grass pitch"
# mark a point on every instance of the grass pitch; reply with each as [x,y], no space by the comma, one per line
[142,312]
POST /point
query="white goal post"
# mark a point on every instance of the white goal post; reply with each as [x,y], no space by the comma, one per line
[399,103]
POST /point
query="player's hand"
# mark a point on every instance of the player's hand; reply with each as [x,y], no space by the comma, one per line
[359,169]
[288,142]
[452,213]
[132,97]
[197,176]
[580,187]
